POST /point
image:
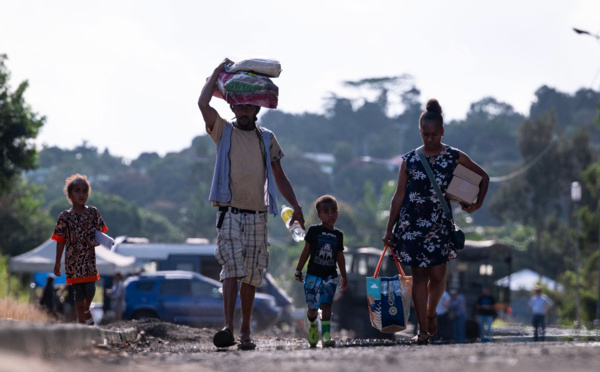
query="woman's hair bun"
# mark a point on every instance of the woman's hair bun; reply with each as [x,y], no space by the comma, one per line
[434,106]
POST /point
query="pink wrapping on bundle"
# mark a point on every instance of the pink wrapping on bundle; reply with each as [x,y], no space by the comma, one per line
[246,88]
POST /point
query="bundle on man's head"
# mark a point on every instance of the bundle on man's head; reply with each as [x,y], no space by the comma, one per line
[248,82]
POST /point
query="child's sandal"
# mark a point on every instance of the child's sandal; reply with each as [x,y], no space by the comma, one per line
[89,321]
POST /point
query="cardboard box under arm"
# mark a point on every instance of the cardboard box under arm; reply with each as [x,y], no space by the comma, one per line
[464,186]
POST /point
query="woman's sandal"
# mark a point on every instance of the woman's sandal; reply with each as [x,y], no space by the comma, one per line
[423,338]
[432,326]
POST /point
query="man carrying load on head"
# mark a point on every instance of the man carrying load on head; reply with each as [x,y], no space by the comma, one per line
[246,172]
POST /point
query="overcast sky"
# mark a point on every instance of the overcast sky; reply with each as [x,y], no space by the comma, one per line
[126,75]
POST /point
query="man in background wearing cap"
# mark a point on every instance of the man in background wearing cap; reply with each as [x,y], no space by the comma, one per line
[539,304]
[247,175]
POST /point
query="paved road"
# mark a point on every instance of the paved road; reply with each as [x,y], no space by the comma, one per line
[166,348]
[547,357]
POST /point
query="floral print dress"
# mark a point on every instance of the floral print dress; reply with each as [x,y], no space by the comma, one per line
[423,234]
[76,230]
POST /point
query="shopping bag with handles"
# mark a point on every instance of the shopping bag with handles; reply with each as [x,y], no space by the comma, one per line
[389,298]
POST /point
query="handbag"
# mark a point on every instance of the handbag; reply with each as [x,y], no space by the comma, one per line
[389,298]
[458,235]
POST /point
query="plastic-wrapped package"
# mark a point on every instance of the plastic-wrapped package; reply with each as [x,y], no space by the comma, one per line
[268,67]
[247,88]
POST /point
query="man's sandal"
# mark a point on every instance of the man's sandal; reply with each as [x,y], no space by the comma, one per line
[246,344]
[223,338]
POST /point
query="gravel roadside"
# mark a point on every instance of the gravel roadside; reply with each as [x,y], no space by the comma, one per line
[165,347]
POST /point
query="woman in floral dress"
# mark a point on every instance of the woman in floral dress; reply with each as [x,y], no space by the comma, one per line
[418,228]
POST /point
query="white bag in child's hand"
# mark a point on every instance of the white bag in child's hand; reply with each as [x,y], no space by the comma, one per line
[103,239]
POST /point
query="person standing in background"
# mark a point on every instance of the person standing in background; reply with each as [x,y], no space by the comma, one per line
[443,313]
[49,299]
[458,309]
[539,305]
[486,312]
[68,299]
[117,296]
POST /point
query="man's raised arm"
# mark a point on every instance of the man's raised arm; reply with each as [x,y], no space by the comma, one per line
[208,112]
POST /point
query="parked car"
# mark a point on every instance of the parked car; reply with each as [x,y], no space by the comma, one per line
[186,297]
[270,287]
[195,255]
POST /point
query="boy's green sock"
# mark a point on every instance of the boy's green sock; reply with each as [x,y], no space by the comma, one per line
[313,333]
[326,329]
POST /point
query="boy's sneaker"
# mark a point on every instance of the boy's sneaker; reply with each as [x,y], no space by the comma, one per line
[327,341]
[313,334]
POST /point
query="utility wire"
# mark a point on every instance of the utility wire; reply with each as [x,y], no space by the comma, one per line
[523,169]
[526,167]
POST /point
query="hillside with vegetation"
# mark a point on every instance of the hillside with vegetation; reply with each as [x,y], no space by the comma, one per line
[352,152]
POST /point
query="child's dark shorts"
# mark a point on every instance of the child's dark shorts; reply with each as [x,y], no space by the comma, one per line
[84,290]
[319,290]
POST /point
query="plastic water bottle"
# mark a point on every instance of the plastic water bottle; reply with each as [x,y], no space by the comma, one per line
[296,230]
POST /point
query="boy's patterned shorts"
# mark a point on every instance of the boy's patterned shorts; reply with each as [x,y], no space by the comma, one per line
[318,290]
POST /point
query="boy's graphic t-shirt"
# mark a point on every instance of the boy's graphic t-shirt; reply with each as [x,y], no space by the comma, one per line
[324,247]
[77,230]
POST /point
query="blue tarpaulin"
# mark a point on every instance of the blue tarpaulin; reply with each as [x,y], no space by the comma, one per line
[40,279]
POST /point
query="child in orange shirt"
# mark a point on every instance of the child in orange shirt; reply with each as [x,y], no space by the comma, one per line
[74,234]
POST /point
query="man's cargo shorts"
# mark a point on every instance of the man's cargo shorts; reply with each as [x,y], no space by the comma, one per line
[242,243]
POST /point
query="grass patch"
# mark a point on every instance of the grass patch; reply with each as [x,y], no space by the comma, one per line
[22,301]
[11,308]
[16,305]
[499,323]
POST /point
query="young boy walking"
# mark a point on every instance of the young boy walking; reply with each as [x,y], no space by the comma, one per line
[324,250]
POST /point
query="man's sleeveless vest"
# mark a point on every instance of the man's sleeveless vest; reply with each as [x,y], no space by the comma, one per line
[219,190]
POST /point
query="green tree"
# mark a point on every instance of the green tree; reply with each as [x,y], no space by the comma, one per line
[19,125]
[198,217]
[540,195]
[488,133]
[24,223]
[158,228]
[530,195]
[123,217]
